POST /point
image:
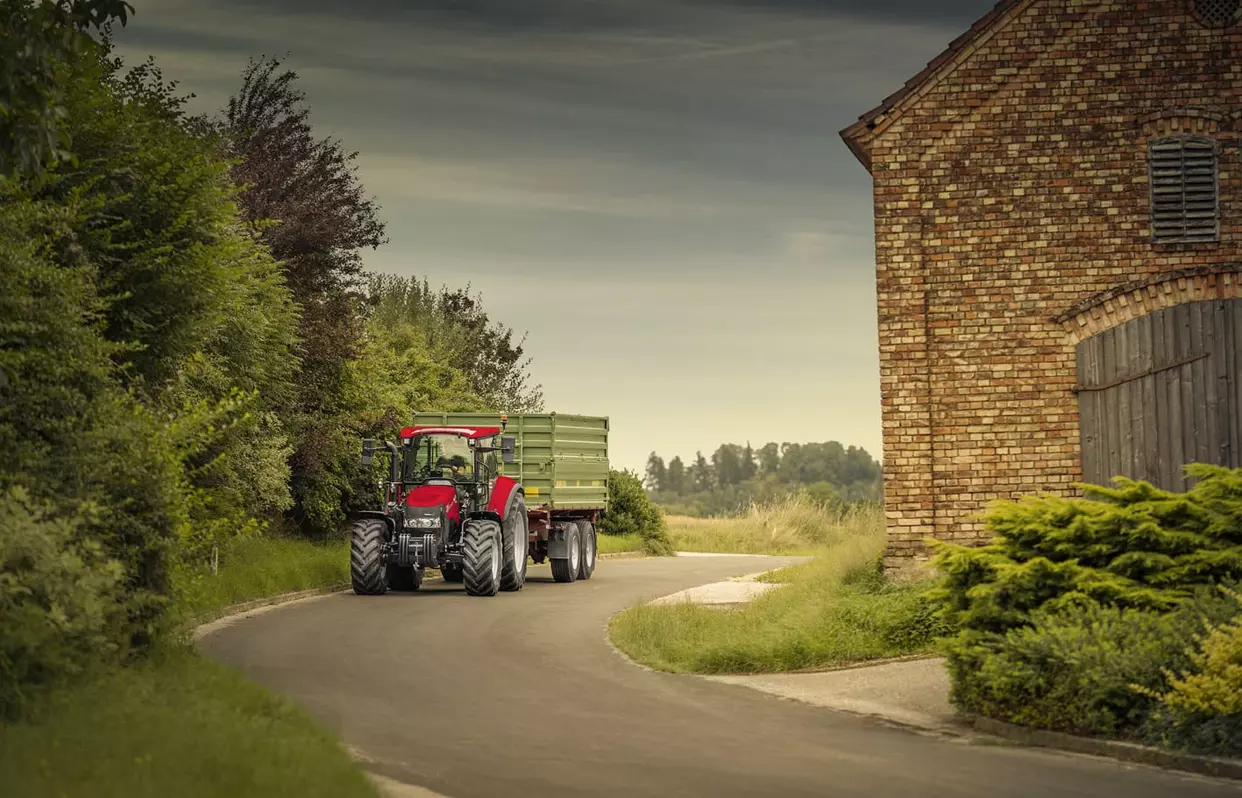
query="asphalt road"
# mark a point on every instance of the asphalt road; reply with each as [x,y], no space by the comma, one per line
[521,695]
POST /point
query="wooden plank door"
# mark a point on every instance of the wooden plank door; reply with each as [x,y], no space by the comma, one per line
[1162,391]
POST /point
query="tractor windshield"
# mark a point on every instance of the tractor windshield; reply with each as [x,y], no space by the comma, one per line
[439,457]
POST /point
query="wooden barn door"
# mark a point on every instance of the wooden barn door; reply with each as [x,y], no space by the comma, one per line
[1162,391]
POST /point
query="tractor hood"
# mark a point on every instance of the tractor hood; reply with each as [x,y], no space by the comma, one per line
[432,498]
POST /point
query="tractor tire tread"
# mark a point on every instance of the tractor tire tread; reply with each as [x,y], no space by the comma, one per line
[367,574]
[478,540]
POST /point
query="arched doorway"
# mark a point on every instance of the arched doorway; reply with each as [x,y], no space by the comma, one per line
[1161,391]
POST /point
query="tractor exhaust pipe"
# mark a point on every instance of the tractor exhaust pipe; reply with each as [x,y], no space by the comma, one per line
[394,465]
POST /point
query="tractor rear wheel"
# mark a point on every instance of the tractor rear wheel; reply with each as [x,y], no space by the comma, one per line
[366,567]
[516,546]
[588,549]
[451,572]
[481,556]
[407,579]
[566,570]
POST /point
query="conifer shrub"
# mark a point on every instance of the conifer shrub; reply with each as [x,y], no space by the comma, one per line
[1076,613]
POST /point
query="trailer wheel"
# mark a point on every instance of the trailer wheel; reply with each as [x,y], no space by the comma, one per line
[406,579]
[481,556]
[566,570]
[516,547]
[588,550]
[451,572]
[366,569]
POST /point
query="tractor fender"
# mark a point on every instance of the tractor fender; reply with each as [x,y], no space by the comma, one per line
[504,493]
[389,524]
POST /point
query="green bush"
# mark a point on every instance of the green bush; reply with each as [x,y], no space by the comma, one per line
[1202,710]
[1079,668]
[1074,613]
[631,512]
[59,598]
[1129,546]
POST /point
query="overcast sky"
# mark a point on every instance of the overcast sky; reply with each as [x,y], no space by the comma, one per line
[654,190]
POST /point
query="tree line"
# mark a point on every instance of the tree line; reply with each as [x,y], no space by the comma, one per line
[737,475]
[190,346]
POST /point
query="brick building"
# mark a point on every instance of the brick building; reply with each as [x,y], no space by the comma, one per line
[1058,210]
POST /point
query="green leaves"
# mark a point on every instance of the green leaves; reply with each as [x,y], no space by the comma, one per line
[36,41]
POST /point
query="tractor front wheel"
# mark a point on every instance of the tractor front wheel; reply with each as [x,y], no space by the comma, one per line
[366,568]
[481,556]
[516,546]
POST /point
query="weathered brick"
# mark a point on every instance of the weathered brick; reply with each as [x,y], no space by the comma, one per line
[1011,191]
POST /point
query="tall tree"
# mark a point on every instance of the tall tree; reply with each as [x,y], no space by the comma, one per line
[305,192]
[749,468]
[36,38]
[657,473]
[700,473]
[676,476]
[769,460]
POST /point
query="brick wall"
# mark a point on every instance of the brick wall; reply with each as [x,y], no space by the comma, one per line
[1007,195]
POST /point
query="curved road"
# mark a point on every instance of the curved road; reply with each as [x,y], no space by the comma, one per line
[521,695]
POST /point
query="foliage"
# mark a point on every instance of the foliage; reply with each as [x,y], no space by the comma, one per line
[1202,709]
[1073,615]
[59,596]
[738,476]
[450,327]
[74,438]
[1129,546]
[36,38]
[1076,667]
[630,512]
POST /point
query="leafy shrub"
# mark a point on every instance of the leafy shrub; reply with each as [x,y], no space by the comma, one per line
[1129,546]
[1080,667]
[59,598]
[1202,710]
[1071,616]
[631,512]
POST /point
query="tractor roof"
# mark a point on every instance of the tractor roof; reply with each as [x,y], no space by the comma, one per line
[465,432]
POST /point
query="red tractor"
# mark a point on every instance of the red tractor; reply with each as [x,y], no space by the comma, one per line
[445,507]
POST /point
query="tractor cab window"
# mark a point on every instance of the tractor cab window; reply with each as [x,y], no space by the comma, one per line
[439,457]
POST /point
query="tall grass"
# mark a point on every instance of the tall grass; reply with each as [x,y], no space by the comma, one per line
[254,568]
[795,524]
[835,609]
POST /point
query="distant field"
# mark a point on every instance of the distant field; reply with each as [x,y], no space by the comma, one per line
[796,525]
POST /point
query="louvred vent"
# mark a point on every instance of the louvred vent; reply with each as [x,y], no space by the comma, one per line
[1185,205]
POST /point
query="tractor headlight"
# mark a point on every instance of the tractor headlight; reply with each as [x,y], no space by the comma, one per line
[422,522]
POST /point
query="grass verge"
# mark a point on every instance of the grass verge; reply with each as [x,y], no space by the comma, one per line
[619,544]
[179,725]
[836,609]
[256,568]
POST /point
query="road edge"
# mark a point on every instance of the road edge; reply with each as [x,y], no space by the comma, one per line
[1214,767]
[1130,752]
[202,625]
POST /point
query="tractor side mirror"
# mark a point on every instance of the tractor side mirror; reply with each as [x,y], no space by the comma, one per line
[508,449]
[368,450]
